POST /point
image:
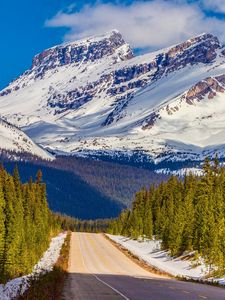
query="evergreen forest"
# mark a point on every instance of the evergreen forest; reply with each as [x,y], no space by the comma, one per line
[185,214]
[26,224]
[75,183]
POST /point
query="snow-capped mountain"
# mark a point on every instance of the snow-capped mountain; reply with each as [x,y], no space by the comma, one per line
[95,95]
[14,140]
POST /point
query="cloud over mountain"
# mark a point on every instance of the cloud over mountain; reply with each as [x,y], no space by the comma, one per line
[145,24]
[216,5]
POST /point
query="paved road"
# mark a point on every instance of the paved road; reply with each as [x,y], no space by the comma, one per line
[99,271]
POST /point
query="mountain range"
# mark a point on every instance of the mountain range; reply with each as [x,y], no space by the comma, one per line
[96,97]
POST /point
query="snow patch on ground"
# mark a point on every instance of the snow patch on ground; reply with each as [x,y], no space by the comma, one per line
[150,252]
[180,172]
[19,285]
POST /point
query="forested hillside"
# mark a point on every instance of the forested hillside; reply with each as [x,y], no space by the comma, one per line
[84,188]
[185,214]
[118,181]
[26,224]
[67,193]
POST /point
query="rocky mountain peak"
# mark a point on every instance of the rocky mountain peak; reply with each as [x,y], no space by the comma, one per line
[95,94]
[89,49]
[206,89]
[206,40]
[209,86]
[200,49]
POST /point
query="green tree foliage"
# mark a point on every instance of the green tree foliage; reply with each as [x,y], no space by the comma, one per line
[69,223]
[25,224]
[186,214]
[2,225]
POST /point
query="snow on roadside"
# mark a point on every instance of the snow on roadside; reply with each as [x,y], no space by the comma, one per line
[19,285]
[150,252]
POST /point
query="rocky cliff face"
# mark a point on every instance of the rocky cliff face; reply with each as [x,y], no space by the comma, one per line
[124,82]
[206,89]
[202,49]
[117,82]
[209,86]
[88,50]
[78,53]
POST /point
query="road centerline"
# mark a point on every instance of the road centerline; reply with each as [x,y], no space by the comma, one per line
[98,270]
[99,279]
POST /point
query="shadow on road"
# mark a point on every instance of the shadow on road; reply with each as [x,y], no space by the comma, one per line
[104,287]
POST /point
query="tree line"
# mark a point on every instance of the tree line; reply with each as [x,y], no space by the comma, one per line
[75,183]
[186,214]
[73,224]
[26,224]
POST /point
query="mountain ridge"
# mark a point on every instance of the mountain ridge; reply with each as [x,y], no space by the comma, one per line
[13,139]
[95,96]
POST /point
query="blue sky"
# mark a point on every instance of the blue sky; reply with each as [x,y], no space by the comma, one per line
[23,34]
[28,27]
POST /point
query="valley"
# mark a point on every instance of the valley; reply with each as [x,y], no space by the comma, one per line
[112,162]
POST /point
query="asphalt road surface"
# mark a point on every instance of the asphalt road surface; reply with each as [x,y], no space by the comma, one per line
[99,271]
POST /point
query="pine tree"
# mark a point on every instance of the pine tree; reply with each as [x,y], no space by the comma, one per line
[2,228]
[11,239]
[39,176]
[185,214]
[25,224]
[189,217]
[19,221]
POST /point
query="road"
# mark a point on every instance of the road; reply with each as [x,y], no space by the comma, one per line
[99,271]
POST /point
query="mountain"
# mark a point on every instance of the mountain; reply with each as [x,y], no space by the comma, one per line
[95,97]
[15,141]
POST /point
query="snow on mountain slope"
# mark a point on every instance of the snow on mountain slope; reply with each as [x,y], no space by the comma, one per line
[196,117]
[62,78]
[95,95]
[13,139]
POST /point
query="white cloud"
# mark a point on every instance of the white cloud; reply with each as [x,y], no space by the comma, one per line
[215,5]
[151,24]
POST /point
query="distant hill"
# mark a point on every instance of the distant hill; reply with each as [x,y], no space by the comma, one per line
[87,189]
